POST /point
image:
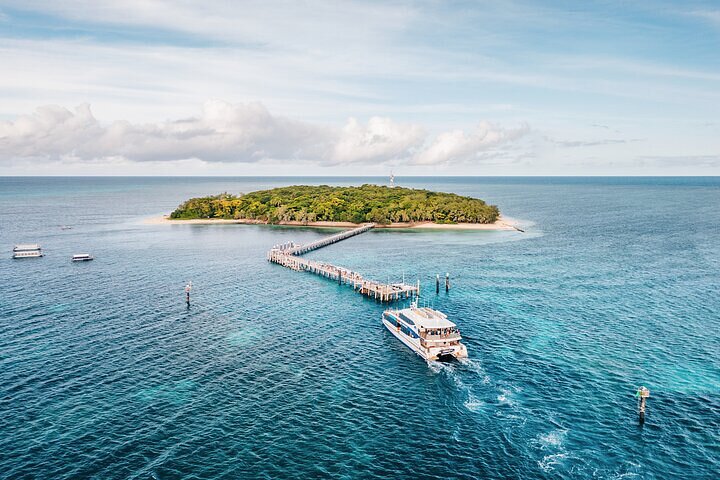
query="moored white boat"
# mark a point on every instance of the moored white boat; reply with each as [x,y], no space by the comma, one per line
[82,257]
[427,332]
[27,250]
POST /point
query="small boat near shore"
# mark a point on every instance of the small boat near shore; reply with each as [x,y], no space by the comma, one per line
[82,257]
[27,250]
[427,332]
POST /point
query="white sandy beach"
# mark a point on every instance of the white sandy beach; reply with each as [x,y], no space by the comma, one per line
[501,224]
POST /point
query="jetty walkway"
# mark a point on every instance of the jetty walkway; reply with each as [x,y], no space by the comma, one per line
[300,249]
[287,255]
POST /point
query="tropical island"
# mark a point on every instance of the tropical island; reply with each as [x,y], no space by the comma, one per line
[341,206]
[367,203]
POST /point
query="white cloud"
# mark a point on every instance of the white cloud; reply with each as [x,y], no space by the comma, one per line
[237,133]
[381,139]
[712,16]
[456,146]
[703,161]
[221,133]
[253,23]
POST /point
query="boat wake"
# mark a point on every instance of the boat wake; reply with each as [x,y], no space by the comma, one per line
[473,403]
[465,374]
[549,462]
[553,444]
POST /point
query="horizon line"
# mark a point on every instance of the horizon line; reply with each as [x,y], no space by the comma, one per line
[359,176]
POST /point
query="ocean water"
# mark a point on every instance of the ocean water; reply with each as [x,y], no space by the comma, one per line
[106,374]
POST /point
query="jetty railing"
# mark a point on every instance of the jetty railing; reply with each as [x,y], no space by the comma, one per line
[287,255]
[323,242]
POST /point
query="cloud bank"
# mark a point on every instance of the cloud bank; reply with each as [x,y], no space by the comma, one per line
[241,133]
[458,146]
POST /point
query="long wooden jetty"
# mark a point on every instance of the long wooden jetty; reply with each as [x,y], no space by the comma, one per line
[323,242]
[287,255]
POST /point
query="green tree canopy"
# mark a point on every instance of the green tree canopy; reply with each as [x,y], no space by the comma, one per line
[367,203]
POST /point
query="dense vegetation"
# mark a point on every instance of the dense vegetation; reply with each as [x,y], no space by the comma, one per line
[368,203]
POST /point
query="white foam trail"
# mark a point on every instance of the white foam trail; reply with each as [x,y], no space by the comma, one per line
[435,367]
[550,461]
[472,364]
[505,396]
[552,439]
[473,403]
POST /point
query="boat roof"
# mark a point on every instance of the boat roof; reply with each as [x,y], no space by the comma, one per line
[27,246]
[81,255]
[425,317]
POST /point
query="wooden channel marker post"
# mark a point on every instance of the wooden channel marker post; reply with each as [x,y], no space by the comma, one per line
[188,287]
[642,395]
[437,284]
[447,282]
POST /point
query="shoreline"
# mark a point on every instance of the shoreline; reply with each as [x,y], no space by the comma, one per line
[501,223]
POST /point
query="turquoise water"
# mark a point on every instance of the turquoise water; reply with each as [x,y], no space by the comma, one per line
[104,372]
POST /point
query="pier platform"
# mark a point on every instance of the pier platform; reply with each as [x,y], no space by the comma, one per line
[288,255]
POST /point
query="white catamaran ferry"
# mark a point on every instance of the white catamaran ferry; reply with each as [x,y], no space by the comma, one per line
[27,250]
[427,332]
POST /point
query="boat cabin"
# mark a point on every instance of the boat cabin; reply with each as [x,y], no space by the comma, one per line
[431,326]
[27,250]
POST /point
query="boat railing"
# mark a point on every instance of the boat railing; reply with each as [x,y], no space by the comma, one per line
[447,336]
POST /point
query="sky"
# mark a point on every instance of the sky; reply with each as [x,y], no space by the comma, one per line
[160,87]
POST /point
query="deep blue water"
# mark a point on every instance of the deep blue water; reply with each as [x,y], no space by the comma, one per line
[272,373]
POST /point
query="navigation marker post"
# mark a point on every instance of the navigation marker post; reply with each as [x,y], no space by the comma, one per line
[642,394]
[437,284]
[188,287]
[447,282]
